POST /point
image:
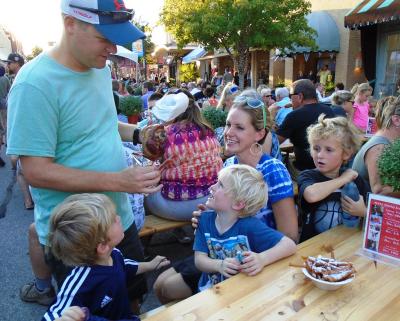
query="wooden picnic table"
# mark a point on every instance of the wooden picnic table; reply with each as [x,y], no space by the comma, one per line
[281,292]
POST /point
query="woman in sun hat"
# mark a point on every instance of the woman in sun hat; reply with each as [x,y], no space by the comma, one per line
[189,152]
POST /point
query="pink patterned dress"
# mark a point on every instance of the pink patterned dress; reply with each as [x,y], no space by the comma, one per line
[196,162]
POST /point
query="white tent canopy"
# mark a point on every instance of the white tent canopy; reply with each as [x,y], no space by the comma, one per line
[123,52]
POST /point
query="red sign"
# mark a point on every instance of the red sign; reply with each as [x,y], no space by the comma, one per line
[382,233]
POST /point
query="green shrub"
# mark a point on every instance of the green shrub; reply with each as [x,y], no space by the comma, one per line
[130,105]
[138,91]
[215,117]
[389,166]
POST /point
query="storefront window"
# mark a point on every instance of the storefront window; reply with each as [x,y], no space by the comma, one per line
[392,75]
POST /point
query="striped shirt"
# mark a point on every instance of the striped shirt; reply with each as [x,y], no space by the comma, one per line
[102,289]
[279,184]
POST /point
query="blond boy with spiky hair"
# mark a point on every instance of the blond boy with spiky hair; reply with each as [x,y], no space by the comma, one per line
[228,239]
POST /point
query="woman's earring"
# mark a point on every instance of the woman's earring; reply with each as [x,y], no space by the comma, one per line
[256,149]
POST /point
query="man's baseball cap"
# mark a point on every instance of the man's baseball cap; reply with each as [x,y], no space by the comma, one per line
[14,57]
[109,17]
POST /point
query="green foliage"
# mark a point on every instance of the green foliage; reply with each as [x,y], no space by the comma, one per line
[238,25]
[215,117]
[36,51]
[138,91]
[389,166]
[188,72]
[130,105]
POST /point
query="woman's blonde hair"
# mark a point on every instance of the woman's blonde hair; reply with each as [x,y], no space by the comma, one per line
[245,184]
[361,88]
[385,108]
[225,93]
[78,225]
[340,128]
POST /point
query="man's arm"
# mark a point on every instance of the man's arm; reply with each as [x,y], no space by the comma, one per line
[42,172]
[126,131]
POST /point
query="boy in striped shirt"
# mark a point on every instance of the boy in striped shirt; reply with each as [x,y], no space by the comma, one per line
[84,231]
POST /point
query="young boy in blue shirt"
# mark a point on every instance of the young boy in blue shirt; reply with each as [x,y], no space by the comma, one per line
[228,240]
[84,231]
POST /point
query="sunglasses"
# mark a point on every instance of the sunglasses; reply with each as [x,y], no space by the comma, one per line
[253,103]
[267,96]
[117,16]
[233,89]
[294,94]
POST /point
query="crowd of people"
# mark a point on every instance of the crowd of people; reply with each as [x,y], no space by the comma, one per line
[239,196]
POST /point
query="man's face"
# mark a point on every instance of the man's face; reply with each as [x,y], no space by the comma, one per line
[13,67]
[296,97]
[88,47]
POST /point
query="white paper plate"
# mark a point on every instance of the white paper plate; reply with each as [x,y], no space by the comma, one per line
[325,285]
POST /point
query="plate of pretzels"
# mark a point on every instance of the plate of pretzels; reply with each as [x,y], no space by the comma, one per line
[328,273]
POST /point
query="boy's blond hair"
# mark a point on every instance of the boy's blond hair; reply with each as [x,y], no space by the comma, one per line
[78,225]
[340,128]
[245,184]
[385,109]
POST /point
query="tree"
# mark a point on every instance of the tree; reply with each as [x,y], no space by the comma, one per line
[188,72]
[36,51]
[238,25]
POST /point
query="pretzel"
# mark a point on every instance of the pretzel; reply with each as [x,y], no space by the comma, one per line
[328,269]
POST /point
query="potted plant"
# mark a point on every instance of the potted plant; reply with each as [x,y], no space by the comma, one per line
[215,117]
[389,166]
[131,106]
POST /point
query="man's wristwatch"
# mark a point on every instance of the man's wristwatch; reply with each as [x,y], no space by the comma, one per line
[135,137]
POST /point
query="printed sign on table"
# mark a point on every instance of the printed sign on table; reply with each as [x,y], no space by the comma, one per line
[382,229]
[372,128]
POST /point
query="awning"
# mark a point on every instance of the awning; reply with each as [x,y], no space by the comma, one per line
[123,52]
[327,38]
[370,12]
[194,55]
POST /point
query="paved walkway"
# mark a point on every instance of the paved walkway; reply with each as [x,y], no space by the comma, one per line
[14,260]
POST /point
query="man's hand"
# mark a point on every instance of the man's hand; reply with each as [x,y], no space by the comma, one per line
[197,214]
[138,179]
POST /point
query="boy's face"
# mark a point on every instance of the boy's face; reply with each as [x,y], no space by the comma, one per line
[115,232]
[328,156]
[219,200]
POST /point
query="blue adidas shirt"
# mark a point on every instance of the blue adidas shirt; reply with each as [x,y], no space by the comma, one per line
[102,289]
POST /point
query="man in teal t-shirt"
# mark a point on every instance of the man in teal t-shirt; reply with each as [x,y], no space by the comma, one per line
[63,126]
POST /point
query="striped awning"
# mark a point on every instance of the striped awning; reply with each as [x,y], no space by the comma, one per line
[194,55]
[369,12]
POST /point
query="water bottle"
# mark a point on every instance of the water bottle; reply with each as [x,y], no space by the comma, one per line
[350,189]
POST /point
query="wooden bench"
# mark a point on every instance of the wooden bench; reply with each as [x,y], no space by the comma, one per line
[150,313]
[154,224]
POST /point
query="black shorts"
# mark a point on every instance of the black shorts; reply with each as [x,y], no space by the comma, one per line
[130,247]
[190,274]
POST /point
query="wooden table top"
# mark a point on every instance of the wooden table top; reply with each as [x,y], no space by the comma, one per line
[281,292]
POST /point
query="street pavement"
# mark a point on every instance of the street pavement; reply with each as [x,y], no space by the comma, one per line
[15,267]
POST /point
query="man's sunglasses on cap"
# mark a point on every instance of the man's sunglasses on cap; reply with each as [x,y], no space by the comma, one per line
[253,103]
[233,89]
[117,16]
